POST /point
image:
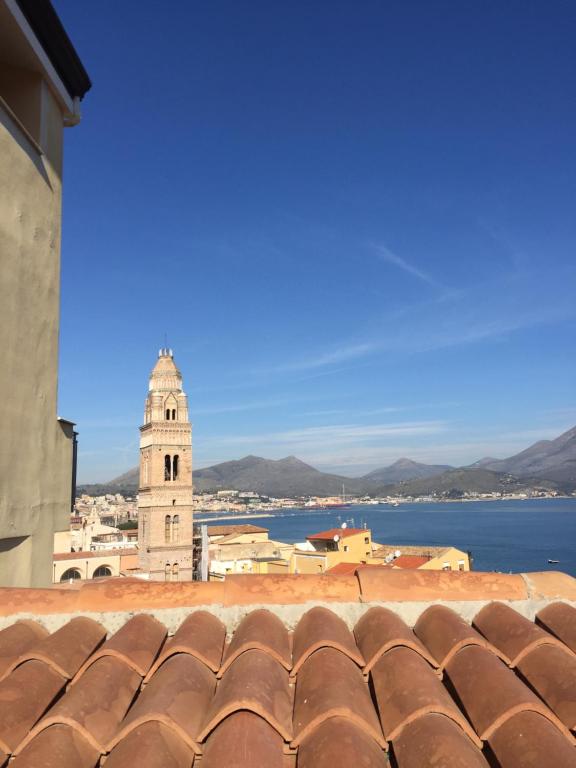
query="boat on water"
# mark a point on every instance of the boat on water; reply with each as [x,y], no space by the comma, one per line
[553,562]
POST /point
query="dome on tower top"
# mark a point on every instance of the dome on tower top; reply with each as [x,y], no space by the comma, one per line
[165,374]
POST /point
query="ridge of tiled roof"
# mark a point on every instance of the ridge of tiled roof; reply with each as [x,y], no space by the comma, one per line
[226,530]
[331,532]
[409,561]
[89,553]
[439,692]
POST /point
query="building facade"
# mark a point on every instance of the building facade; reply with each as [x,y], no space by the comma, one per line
[41,83]
[165,493]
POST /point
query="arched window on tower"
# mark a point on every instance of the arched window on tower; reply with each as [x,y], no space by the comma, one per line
[175,467]
[167,467]
[173,414]
[167,529]
[175,528]
[175,571]
[167,573]
[167,414]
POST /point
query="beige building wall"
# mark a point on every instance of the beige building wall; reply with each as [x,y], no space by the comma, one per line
[36,449]
[451,560]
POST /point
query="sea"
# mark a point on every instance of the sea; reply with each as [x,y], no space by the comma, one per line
[506,536]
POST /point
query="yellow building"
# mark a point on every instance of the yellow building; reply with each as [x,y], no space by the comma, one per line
[326,549]
[42,81]
[74,566]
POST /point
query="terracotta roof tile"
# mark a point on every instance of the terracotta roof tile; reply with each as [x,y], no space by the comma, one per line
[339,742]
[528,740]
[178,696]
[406,688]
[321,628]
[24,697]
[152,745]
[244,740]
[551,672]
[343,533]
[560,620]
[551,585]
[400,585]
[201,635]
[511,633]
[330,685]
[490,692]
[263,631]
[435,741]
[379,630]
[257,682]
[225,530]
[254,589]
[58,747]
[444,633]
[410,561]
[96,704]
[136,643]
[16,640]
[67,648]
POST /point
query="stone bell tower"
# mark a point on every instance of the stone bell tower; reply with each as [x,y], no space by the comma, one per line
[165,493]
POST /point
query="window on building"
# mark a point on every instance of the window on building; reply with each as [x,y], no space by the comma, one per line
[446,567]
[167,572]
[167,467]
[366,539]
[175,528]
[175,467]
[346,547]
[175,571]
[167,528]
[102,570]
[167,414]
[71,575]
[173,414]
[461,565]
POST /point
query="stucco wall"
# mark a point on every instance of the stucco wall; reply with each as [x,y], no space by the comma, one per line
[35,449]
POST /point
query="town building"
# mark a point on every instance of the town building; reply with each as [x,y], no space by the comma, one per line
[324,550]
[42,81]
[165,513]
[245,548]
[422,557]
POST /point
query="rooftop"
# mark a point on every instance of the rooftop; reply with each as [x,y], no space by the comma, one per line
[417,668]
[342,532]
[409,561]
[226,530]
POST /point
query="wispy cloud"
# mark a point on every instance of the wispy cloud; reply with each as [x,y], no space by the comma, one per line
[389,257]
[334,357]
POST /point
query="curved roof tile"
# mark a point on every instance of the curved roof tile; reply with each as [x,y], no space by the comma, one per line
[256,682]
[330,684]
[406,688]
[379,630]
[491,693]
[151,745]
[321,628]
[58,747]
[560,620]
[444,633]
[16,640]
[136,643]
[178,696]
[531,741]
[435,741]
[338,741]
[511,633]
[260,630]
[551,672]
[244,740]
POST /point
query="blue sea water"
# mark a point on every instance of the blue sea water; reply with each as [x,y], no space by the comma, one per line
[501,535]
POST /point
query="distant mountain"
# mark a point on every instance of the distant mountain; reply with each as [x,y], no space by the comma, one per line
[550,459]
[456,482]
[403,470]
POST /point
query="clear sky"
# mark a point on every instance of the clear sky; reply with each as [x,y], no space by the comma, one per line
[355,222]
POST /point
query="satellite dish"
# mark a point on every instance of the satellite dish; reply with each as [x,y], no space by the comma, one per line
[397,553]
[344,525]
[336,538]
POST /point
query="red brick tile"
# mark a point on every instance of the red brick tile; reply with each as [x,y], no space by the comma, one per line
[96,704]
[263,631]
[252,589]
[201,635]
[136,643]
[491,693]
[435,741]
[551,672]
[178,696]
[58,747]
[330,685]
[321,628]
[68,648]
[528,740]
[24,697]
[445,633]
[255,682]
[339,742]
[152,745]
[16,640]
[560,620]
[379,630]
[511,633]
[243,740]
[406,688]
[407,585]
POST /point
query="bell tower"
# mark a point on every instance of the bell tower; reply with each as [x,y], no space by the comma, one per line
[165,492]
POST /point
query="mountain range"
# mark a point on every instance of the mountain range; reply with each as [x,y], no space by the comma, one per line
[548,463]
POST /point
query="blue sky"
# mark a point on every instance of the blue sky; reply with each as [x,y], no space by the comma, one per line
[354,222]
